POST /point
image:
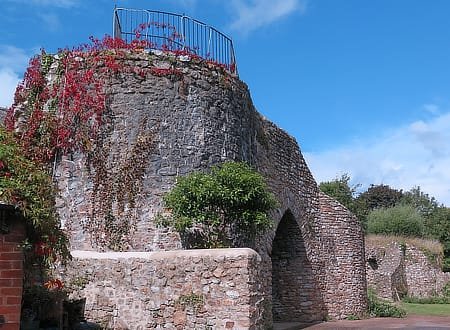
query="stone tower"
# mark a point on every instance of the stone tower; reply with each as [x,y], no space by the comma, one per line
[167,114]
[160,127]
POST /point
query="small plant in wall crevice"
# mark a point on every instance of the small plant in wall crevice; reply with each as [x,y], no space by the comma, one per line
[192,300]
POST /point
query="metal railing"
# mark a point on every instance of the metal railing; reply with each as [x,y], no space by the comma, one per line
[174,32]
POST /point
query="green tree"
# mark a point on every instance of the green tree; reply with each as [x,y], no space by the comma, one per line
[376,196]
[340,190]
[421,201]
[222,208]
[402,220]
[437,226]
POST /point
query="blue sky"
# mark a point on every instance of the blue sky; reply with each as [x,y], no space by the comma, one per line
[364,86]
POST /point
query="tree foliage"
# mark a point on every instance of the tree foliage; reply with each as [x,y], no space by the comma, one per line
[216,209]
[401,220]
[438,226]
[421,201]
[378,196]
[340,190]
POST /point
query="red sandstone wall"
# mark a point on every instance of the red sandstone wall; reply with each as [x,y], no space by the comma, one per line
[11,277]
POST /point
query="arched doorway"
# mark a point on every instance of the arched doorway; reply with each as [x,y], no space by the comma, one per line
[292,278]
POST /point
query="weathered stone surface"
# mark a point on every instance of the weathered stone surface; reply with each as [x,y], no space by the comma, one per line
[340,267]
[397,269]
[118,288]
[2,114]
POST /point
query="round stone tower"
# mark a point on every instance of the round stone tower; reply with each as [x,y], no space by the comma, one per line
[159,127]
[168,114]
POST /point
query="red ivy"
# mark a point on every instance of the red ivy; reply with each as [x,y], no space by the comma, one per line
[64,115]
[54,284]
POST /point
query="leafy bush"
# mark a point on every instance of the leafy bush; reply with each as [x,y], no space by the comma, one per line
[380,308]
[402,220]
[218,208]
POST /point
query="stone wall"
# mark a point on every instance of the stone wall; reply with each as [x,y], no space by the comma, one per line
[159,127]
[11,274]
[340,236]
[2,114]
[396,269]
[196,289]
[423,273]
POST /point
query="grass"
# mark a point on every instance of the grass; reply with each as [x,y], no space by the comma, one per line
[427,309]
[430,247]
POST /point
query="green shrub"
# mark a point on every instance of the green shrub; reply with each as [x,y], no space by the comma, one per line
[352,317]
[380,308]
[428,300]
[446,290]
[402,220]
[214,209]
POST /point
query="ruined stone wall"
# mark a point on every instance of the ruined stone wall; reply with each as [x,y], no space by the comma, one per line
[423,273]
[385,267]
[159,127]
[397,269]
[194,289]
[343,270]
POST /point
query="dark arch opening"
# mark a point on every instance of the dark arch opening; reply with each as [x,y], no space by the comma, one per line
[292,279]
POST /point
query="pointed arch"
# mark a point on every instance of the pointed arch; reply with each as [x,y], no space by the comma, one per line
[292,277]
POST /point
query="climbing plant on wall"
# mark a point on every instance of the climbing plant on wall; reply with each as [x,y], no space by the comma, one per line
[214,209]
[26,185]
[61,107]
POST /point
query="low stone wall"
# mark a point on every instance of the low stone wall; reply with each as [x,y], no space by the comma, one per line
[189,289]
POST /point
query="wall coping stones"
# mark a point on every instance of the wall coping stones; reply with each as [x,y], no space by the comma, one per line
[230,252]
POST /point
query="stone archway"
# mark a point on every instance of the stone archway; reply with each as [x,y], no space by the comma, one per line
[292,279]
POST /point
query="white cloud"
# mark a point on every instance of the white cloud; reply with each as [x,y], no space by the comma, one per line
[186,3]
[16,59]
[13,62]
[8,83]
[252,14]
[431,108]
[51,21]
[417,154]
[53,3]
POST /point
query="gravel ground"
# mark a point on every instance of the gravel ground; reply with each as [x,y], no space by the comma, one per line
[416,322]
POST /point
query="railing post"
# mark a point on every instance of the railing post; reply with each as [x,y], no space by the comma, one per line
[183,31]
[114,23]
